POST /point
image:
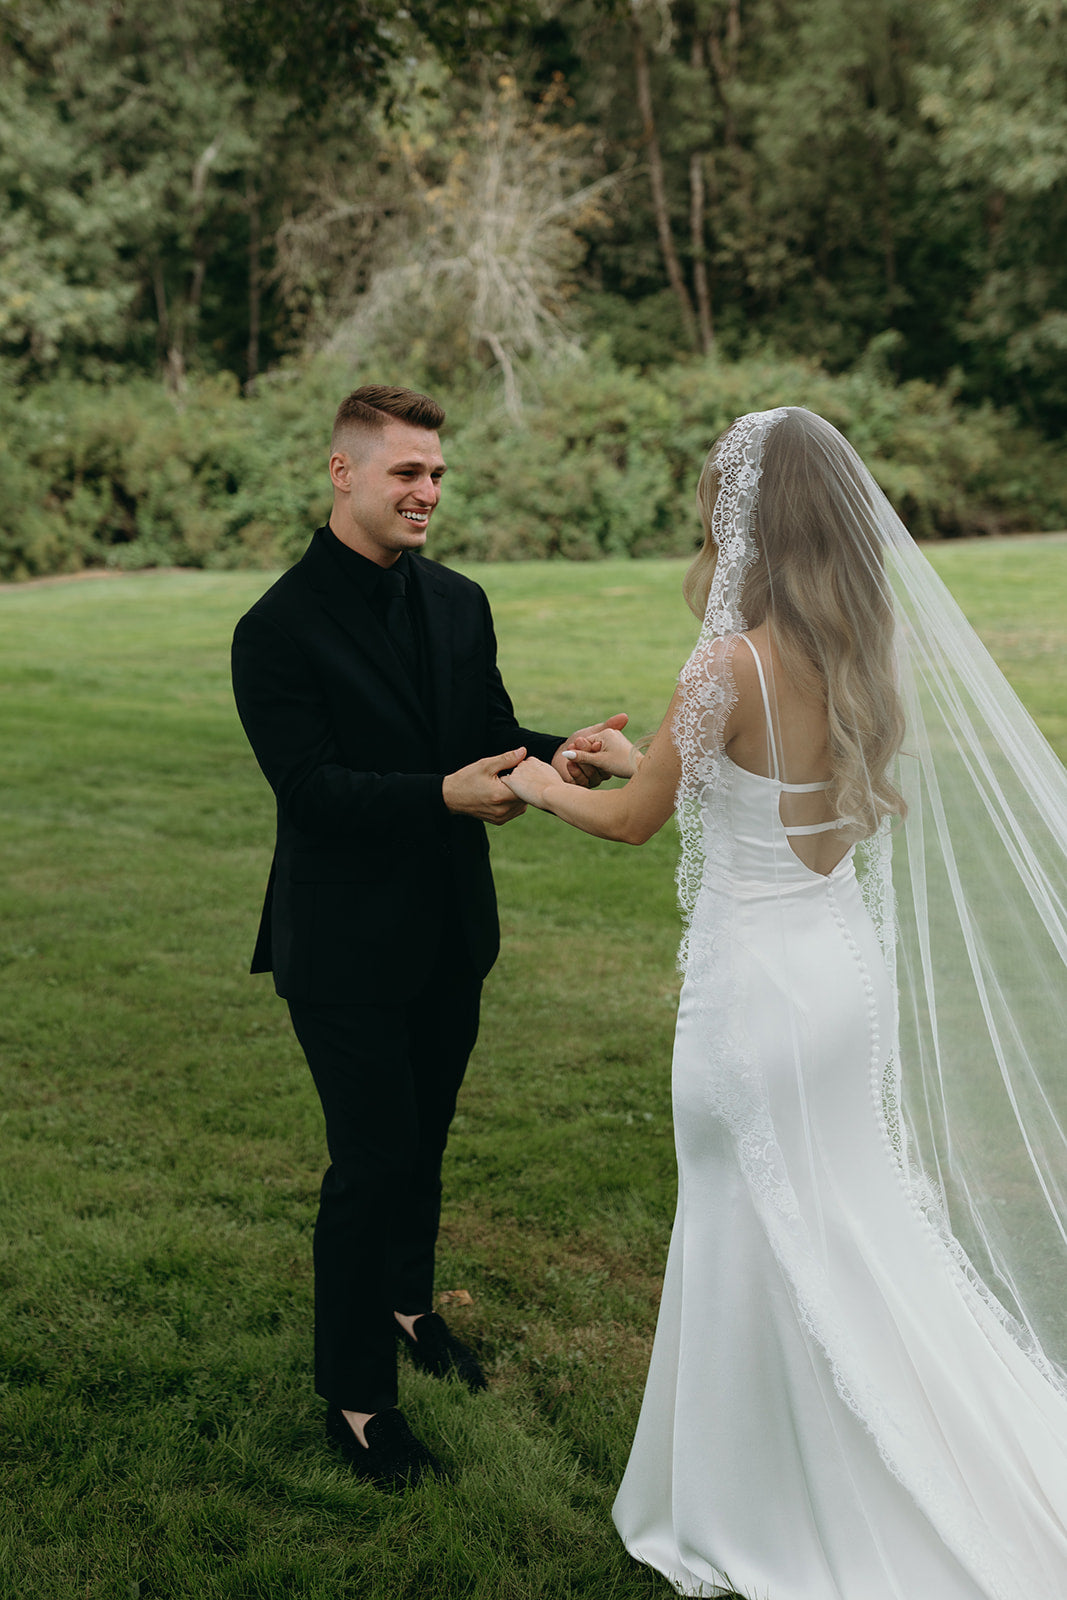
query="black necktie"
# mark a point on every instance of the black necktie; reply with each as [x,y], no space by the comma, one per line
[398,622]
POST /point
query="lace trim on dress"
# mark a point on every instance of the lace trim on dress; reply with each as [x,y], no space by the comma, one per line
[707,684]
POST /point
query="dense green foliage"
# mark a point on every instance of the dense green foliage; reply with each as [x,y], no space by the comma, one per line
[180,185]
[595,227]
[163,1144]
[836,168]
[605,462]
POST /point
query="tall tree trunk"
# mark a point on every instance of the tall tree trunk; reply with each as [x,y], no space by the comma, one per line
[724,54]
[889,251]
[659,192]
[700,266]
[254,280]
[175,369]
[168,336]
[159,287]
[696,227]
[183,322]
[733,32]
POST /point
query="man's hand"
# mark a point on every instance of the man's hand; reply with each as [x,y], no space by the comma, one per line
[575,771]
[478,790]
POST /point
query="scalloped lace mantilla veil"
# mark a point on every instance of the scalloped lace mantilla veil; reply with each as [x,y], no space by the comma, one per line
[857,1387]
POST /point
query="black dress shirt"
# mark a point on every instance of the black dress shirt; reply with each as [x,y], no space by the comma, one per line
[373,583]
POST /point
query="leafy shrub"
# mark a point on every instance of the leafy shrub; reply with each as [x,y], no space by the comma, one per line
[127,477]
[605,462]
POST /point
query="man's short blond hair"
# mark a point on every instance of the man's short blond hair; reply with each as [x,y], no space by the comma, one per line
[375,405]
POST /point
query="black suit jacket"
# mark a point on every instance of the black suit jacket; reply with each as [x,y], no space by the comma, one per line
[369,864]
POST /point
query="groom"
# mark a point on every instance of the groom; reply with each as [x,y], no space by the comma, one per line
[367,684]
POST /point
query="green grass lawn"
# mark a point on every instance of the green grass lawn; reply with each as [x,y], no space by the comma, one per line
[162,1143]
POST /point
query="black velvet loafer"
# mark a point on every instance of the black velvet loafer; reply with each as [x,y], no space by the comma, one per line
[436,1350]
[393,1458]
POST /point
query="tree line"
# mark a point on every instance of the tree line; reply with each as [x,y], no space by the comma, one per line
[465,194]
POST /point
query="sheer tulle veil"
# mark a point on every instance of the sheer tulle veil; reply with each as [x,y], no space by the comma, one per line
[968,892]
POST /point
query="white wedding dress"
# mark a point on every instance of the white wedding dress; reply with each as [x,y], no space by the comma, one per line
[835,1409]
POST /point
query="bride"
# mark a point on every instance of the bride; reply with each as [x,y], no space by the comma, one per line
[857,1389]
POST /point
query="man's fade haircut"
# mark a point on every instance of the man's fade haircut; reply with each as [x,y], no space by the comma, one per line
[375,405]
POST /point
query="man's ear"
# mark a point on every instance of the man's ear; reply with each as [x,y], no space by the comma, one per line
[341,471]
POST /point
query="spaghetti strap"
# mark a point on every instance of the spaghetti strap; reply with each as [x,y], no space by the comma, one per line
[790,788]
[766,707]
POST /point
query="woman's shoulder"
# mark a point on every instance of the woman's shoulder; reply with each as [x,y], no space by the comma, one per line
[722,673]
[729,652]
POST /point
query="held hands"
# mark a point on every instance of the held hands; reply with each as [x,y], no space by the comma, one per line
[479,791]
[609,753]
[587,740]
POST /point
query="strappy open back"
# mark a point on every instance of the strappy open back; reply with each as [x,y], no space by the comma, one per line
[793,830]
[789,789]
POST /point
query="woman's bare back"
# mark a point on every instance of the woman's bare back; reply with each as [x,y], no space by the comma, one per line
[800,749]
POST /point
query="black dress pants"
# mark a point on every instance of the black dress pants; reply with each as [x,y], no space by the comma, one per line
[387,1076]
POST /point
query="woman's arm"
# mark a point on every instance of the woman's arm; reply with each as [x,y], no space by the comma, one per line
[630,815]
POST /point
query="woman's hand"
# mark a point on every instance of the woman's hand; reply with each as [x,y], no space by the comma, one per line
[610,752]
[531,780]
[631,814]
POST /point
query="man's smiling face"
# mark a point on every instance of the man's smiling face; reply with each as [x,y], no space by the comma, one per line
[386,485]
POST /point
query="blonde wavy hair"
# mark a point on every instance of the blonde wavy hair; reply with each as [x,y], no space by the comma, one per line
[820,585]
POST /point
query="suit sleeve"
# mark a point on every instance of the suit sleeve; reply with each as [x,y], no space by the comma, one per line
[503,730]
[289,726]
